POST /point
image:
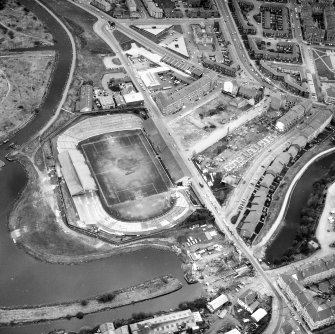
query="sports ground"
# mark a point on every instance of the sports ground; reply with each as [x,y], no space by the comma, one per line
[124,166]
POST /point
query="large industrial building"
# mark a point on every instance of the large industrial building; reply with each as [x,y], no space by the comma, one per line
[180,322]
[169,104]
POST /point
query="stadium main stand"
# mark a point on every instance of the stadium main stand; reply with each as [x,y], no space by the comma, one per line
[163,150]
[70,174]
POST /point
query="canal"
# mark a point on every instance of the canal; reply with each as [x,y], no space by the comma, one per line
[299,197]
[26,281]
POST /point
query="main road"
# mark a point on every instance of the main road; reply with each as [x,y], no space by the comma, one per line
[101,28]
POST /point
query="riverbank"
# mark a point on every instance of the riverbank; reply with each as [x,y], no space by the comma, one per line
[28,76]
[277,208]
[148,290]
[36,227]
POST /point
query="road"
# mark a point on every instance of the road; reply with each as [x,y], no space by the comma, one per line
[187,166]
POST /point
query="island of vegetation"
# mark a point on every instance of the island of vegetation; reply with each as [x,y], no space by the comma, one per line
[147,290]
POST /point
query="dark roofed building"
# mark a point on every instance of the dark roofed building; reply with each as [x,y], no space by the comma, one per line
[164,152]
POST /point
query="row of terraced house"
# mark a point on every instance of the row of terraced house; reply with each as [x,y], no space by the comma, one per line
[286,51]
[314,124]
[289,83]
[283,10]
[243,25]
[313,33]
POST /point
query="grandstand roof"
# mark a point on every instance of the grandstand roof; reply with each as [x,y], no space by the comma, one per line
[70,174]
[83,172]
[168,159]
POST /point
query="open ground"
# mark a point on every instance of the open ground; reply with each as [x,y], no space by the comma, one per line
[89,65]
[26,76]
[20,28]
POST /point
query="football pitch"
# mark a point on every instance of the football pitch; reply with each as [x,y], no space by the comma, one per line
[124,166]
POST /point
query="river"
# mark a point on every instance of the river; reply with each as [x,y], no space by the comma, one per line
[299,197]
[25,280]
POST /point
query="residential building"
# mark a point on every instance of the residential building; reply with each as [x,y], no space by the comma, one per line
[86,97]
[291,54]
[317,312]
[176,322]
[329,19]
[293,116]
[243,25]
[267,181]
[216,303]
[316,123]
[312,32]
[102,4]
[219,67]
[248,300]
[169,104]
[300,142]
[153,9]
[183,66]
[131,5]
[268,8]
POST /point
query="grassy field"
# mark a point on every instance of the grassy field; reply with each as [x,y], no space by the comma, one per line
[28,76]
[20,28]
[124,168]
[124,40]
[323,65]
[90,47]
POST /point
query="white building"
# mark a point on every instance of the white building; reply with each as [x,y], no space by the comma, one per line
[259,314]
[217,303]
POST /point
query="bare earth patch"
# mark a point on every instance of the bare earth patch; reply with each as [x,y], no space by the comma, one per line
[20,28]
[28,75]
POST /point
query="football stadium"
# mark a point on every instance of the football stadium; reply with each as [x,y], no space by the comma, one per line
[115,179]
